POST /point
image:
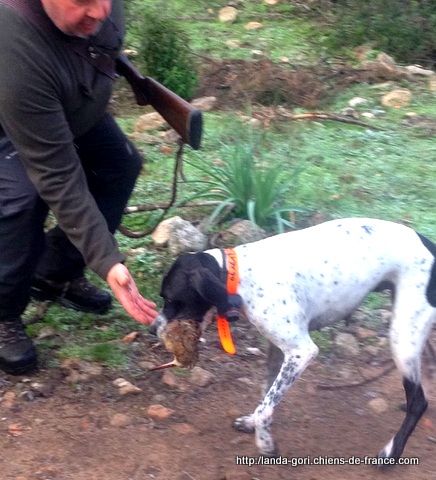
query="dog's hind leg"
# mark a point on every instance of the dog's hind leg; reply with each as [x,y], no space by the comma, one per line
[297,355]
[409,332]
[274,362]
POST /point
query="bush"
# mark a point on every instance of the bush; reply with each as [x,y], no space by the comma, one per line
[166,55]
[251,183]
[405,29]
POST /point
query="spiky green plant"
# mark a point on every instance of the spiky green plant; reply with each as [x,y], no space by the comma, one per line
[255,188]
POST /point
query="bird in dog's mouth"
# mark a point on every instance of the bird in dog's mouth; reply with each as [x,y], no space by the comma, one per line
[181,338]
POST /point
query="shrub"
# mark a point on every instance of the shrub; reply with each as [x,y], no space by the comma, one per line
[166,55]
[405,29]
[255,187]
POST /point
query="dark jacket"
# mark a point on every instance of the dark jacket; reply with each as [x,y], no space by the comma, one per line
[49,95]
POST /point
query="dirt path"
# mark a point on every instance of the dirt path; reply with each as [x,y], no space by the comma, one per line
[68,434]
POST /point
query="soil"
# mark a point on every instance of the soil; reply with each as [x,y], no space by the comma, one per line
[66,432]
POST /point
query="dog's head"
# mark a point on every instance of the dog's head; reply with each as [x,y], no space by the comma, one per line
[192,287]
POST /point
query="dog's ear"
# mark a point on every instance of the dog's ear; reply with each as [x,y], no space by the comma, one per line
[210,288]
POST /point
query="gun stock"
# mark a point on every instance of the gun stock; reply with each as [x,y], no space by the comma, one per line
[186,120]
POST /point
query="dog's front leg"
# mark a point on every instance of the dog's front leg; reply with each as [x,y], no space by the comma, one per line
[294,363]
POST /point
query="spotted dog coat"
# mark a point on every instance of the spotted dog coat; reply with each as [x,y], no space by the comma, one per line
[299,281]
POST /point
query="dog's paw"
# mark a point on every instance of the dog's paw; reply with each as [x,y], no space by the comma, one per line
[244,424]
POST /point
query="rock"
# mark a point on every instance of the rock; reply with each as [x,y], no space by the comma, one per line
[378,405]
[239,232]
[255,351]
[149,121]
[46,332]
[228,14]
[42,389]
[362,333]
[184,428]
[349,112]
[8,399]
[257,53]
[398,98]
[271,2]
[233,43]
[159,398]
[125,387]
[161,234]
[200,377]
[368,115]
[417,70]
[356,101]
[184,237]
[121,420]
[168,378]
[159,412]
[284,59]
[146,364]
[347,345]
[246,381]
[169,136]
[372,350]
[204,103]
[79,370]
[253,26]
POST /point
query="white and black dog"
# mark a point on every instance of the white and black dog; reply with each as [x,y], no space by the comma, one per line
[303,280]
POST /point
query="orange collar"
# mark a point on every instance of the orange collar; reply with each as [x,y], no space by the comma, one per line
[230,266]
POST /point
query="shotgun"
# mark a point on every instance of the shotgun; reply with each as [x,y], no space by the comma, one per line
[181,115]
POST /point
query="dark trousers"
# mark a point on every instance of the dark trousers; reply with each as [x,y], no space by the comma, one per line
[112,165]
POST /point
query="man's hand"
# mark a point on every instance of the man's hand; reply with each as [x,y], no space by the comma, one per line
[124,288]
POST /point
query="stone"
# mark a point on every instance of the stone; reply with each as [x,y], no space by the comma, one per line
[159,412]
[378,405]
[168,378]
[356,101]
[233,43]
[161,234]
[149,121]
[121,420]
[204,104]
[253,26]
[399,98]
[347,345]
[239,232]
[362,333]
[417,70]
[200,377]
[79,370]
[125,387]
[228,14]
[184,237]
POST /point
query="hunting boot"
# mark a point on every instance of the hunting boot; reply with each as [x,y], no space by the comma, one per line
[17,352]
[78,294]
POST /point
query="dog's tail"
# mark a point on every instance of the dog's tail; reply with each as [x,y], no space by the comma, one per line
[431,287]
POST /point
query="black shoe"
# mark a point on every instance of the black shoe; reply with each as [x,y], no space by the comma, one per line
[78,294]
[17,352]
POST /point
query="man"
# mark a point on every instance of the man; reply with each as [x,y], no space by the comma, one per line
[60,151]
